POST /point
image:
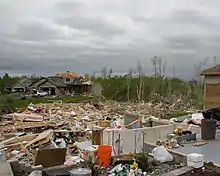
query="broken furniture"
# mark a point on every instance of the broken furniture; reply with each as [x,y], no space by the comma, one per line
[50,157]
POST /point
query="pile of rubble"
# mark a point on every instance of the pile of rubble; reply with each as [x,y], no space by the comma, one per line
[48,135]
[56,115]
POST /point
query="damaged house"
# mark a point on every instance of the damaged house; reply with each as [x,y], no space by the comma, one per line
[62,84]
[21,85]
[212,86]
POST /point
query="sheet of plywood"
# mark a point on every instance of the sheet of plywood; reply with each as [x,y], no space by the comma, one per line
[41,138]
[212,90]
[50,157]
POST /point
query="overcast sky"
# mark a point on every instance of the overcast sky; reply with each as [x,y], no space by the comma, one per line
[43,37]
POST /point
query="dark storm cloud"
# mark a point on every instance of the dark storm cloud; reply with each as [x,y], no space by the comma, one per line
[44,37]
[36,31]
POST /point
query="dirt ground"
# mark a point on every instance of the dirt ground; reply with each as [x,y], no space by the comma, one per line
[202,172]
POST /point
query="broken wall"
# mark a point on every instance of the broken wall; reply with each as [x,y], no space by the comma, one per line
[132,140]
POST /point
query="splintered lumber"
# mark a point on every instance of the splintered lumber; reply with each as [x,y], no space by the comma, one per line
[200,143]
[28,117]
[42,138]
[18,139]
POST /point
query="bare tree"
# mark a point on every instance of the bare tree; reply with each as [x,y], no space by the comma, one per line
[110,73]
[104,71]
[140,87]
[129,76]
[154,63]
[198,69]
[159,66]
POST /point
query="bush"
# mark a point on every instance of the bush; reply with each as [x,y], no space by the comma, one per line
[7,107]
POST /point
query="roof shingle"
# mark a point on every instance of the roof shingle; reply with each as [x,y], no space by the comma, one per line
[212,70]
[68,74]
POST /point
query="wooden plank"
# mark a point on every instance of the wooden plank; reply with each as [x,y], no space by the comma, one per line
[212,90]
[212,105]
[41,138]
[50,157]
[18,139]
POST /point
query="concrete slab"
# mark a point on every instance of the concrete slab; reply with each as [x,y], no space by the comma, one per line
[210,150]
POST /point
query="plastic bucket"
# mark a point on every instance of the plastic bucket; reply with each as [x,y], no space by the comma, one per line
[103,155]
[208,129]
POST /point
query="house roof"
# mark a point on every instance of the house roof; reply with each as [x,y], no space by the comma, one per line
[68,74]
[212,70]
[37,81]
[23,82]
[57,81]
[26,81]
[9,84]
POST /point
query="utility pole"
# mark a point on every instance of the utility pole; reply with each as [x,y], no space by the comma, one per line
[214,59]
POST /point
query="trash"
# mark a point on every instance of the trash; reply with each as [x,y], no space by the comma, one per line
[77,128]
[89,154]
[131,173]
[15,152]
[73,113]
[172,143]
[72,160]
[134,166]
[134,125]
[103,123]
[200,143]
[61,143]
[161,154]
[197,116]
[81,172]
[117,169]
[195,160]
[213,113]
[178,131]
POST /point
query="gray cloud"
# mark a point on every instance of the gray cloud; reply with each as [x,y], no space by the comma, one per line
[95,25]
[36,31]
[44,37]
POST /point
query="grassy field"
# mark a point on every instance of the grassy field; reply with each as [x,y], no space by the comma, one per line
[24,103]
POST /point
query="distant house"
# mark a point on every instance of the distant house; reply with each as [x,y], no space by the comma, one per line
[62,84]
[21,85]
[54,85]
[212,86]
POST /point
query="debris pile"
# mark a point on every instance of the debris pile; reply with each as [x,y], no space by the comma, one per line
[57,134]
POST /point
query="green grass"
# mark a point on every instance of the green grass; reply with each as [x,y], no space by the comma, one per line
[25,103]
